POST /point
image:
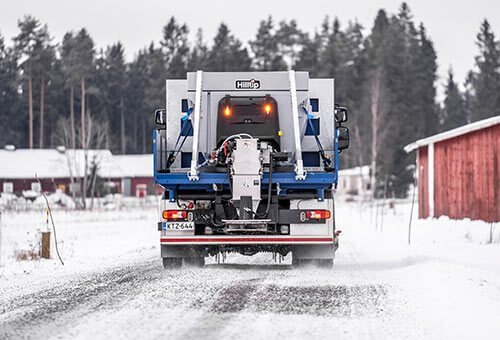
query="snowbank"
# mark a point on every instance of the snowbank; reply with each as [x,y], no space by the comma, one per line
[85,238]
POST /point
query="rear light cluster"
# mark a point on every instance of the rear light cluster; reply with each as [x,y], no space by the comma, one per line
[318,214]
[315,215]
[177,215]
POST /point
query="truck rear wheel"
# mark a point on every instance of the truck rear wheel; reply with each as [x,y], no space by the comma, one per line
[321,263]
[194,261]
[325,263]
[172,262]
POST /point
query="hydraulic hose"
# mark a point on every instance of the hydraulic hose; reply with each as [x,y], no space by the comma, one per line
[269,189]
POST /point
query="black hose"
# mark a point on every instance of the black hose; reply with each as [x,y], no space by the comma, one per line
[269,190]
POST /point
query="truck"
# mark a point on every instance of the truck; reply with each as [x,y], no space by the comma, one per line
[248,162]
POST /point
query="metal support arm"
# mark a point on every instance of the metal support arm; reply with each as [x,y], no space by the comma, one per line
[193,172]
[300,174]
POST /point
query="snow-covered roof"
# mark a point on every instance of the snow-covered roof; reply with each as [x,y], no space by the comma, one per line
[356,171]
[133,166]
[453,133]
[51,163]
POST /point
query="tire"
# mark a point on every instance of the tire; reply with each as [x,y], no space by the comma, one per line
[320,263]
[194,261]
[325,263]
[172,262]
[302,262]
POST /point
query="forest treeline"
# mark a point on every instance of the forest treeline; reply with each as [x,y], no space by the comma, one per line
[387,78]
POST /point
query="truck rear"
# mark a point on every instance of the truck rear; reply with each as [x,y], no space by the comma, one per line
[249,163]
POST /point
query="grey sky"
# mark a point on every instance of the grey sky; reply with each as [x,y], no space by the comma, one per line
[452,24]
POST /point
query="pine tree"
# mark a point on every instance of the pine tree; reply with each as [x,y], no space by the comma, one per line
[55,102]
[266,55]
[28,46]
[112,83]
[289,38]
[155,93]
[469,95]
[351,77]
[43,62]
[199,53]
[405,111]
[454,112]
[176,48]
[309,58]
[486,82]
[69,68]
[377,98]
[135,98]
[84,46]
[426,68]
[331,56]
[227,53]
[11,129]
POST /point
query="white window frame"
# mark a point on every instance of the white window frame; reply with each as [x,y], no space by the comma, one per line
[8,187]
[141,187]
[36,187]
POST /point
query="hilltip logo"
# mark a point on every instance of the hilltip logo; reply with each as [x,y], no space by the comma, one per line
[252,84]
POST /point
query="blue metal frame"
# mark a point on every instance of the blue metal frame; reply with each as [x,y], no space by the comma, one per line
[317,180]
[336,156]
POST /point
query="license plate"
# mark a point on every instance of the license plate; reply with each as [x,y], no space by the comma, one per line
[178,226]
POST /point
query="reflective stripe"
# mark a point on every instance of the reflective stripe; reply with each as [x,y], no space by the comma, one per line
[245,240]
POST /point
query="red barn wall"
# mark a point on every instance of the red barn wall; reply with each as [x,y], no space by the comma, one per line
[467,176]
[148,181]
[423,182]
[48,184]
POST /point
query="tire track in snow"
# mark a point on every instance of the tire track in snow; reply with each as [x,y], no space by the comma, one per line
[53,309]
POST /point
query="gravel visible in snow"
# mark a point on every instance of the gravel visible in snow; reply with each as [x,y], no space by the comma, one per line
[445,285]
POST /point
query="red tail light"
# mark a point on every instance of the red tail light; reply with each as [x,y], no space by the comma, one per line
[318,214]
[174,215]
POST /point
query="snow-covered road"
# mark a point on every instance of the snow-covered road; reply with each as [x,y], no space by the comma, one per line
[379,288]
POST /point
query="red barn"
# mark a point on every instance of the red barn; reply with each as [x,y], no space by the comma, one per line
[459,172]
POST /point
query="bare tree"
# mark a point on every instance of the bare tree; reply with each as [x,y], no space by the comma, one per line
[94,140]
[66,137]
[84,164]
[83,113]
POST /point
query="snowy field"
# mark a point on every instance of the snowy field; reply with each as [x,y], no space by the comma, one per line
[446,284]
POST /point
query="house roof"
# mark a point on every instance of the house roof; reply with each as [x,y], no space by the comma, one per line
[49,163]
[462,130]
[52,163]
[132,166]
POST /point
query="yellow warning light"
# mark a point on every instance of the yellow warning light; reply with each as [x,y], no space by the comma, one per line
[227,111]
[267,108]
[280,133]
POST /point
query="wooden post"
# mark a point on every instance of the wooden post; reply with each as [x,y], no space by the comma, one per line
[46,244]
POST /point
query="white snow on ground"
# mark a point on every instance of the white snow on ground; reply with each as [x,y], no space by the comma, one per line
[446,284]
[85,238]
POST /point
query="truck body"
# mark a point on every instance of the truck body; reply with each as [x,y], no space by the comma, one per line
[249,163]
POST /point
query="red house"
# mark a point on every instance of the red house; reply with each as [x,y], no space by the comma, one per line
[19,169]
[130,175]
[459,172]
[136,173]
